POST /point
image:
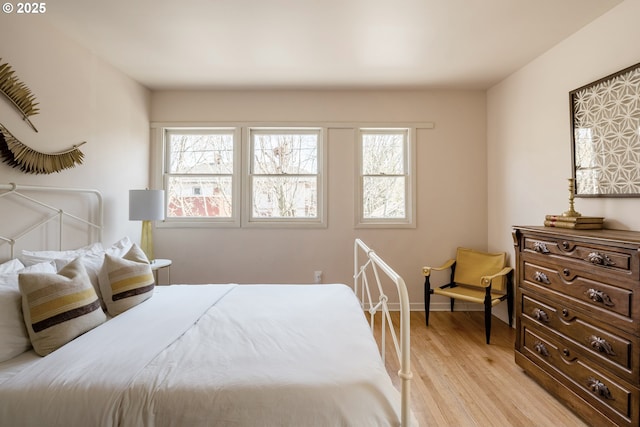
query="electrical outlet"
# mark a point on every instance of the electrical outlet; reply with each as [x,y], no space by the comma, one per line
[317,276]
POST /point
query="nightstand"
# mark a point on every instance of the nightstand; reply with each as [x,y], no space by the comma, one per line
[158,264]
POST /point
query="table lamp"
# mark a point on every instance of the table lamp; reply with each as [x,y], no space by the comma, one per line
[146,206]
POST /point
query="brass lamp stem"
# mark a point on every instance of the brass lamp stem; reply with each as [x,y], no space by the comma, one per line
[146,241]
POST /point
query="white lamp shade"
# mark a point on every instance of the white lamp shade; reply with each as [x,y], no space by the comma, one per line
[146,205]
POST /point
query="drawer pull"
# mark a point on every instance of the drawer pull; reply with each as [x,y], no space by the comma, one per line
[601,345]
[539,276]
[566,352]
[566,272]
[599,388]
[565,312]
[540,248]
[565,245]
[599,296]
[540,315]
[541,349]
[599,259]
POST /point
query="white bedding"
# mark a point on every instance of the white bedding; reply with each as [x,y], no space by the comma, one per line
[214,355]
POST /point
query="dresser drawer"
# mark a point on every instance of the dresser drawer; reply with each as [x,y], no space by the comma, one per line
[590,254]
[591,293]
[602,390]
[592,339]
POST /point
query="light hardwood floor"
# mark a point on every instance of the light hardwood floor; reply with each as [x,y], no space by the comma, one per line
[458,380]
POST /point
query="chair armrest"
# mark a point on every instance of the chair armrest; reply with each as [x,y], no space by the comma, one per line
[485,281]
[426,271]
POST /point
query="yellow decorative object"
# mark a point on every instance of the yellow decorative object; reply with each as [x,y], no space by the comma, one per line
[14,152]
[571,212]
[18,155]
[18,94]
[146,240]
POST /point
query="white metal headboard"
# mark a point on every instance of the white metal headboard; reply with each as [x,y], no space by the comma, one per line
[374,263]
[35,198]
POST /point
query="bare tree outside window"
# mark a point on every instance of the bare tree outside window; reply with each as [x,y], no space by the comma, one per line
[384,174]
[244,176]
[206,181]
[200,173]
[284,173]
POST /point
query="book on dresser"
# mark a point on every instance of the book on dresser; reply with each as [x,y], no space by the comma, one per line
[575,219]
[578,318]
[576,222]
[574,225]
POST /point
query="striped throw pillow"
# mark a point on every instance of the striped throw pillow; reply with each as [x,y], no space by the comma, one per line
[130,281]
[59,307]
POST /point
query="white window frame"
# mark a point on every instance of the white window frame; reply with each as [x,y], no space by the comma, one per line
[162,157]
[248,220]
[410,180]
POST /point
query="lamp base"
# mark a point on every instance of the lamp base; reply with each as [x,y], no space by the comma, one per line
[146,240]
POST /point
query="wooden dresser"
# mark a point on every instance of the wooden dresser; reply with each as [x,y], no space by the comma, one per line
[578,318]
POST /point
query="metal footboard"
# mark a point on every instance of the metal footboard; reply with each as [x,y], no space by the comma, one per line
[367,267]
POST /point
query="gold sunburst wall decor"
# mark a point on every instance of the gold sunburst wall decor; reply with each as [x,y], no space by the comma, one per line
[18,155]
[13,151]
[18,94]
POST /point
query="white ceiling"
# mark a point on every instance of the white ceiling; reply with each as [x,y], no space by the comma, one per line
[317,44]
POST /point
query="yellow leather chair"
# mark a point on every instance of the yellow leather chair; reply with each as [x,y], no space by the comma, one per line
[477,277]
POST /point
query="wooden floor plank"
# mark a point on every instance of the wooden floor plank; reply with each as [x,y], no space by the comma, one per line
[458,380]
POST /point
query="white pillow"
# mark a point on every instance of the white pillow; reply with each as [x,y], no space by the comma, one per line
[11,279]
[61,257]
[11,266]
[120,247]
[14,339]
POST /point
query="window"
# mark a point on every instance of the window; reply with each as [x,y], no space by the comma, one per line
[386,181]
[239,174]
[201,174]
[285,171]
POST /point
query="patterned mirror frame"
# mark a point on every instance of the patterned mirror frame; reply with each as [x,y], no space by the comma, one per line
[605,133]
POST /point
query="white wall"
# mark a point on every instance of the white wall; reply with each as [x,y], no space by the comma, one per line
[528,128]
[452,194]
[81,99]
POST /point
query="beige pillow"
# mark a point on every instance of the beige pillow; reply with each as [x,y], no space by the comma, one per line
[59,307]
[130,281]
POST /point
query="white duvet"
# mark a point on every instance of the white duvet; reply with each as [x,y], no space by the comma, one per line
[213,355]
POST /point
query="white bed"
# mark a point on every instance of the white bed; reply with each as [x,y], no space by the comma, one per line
[221,355]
